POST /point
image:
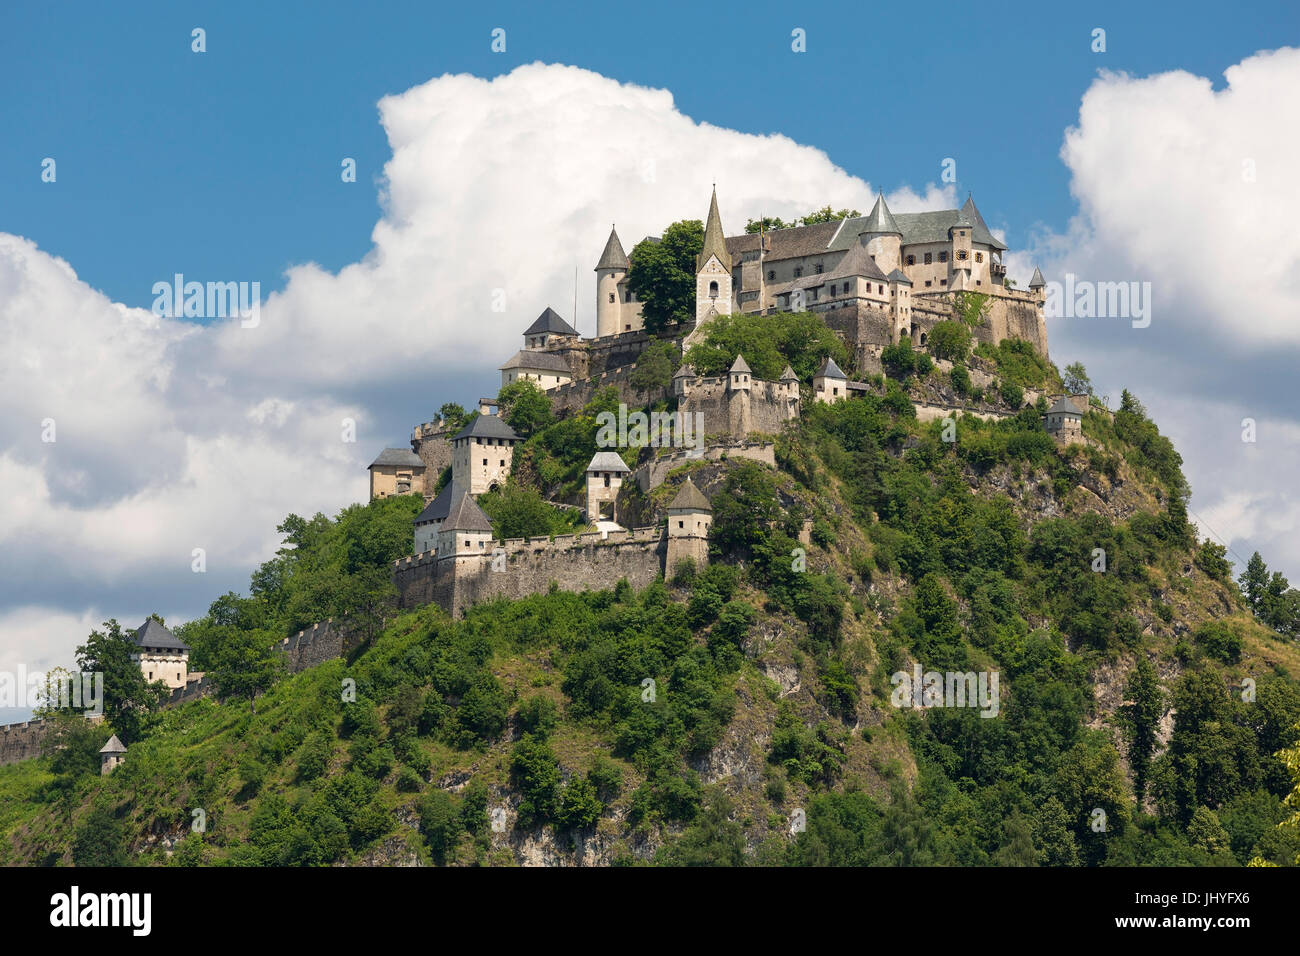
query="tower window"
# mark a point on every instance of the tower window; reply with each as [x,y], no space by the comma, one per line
[979,257]
[713,290]
[611,297]
[961,255]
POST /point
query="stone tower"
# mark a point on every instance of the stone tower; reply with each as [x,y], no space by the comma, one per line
[482,454]
[610,271]
[712,270]
[883,237]
[604,479]
[689,517]
[959,268]
[110,755]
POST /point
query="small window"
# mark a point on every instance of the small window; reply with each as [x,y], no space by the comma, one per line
[611,297]
[880,290]
[943,257]
[484,462]
[798,272]
[607,481]
[503,462]
[681,524]
[929,257]
[943,282]
[771,275]
[927,283]
[819,268]
[979,257]
[911,260]
[713,290]
[961,255]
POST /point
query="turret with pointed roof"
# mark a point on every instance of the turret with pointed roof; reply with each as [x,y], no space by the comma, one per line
[739,375]
[689,518]
[111,754]
[1037,281]
[830,384]
[613,257]
[880,220]
[715,243]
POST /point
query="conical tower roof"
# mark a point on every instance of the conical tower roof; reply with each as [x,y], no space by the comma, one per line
[788,375]
[690,498]
[715,243]
[114,746]
[1037,281]
[881,219]
[831,370]
[740,365]
[613,257]
[981,228]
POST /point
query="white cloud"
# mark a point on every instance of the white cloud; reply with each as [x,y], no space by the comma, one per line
[1191,189]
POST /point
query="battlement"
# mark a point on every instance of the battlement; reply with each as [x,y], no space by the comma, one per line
[651,474]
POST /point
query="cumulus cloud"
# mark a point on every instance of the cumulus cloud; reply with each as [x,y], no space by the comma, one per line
[1189,188]
[172,435]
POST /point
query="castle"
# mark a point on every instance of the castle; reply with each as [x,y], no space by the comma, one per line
[875,279]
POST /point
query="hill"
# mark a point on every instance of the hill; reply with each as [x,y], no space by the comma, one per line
[754,710]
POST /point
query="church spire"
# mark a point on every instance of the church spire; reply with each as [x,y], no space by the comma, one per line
[715,244]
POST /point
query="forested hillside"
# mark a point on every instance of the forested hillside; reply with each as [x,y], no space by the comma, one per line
[744,712]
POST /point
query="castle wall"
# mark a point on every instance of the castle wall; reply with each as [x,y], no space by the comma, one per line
[432,442]
[653,473]
[319,643]
[573,562]
[765,407]
[22,741]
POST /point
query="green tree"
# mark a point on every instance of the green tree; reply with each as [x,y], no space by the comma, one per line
[580,806]
[662,275]
[524,407]
[1140,720]
[1076,379]
[99,840]
[949,340]
[656,365]
[766,224]
[246,664]
[518,512]
[129,700]
[768,343]
[1254,580]
[454,415]
[826,214]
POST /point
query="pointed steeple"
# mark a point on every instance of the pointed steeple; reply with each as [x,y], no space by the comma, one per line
[715,244]
[1037,281]
[613,257]
[881,220]
[982,232]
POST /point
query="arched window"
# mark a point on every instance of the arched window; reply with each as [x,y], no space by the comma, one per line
[713,290]
[611,297]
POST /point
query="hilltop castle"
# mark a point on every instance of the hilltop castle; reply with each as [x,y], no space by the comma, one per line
[875,279]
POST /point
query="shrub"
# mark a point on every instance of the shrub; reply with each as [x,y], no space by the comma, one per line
[960,380]
[949,340]
[538,716]
[1012,394]
[1219,641]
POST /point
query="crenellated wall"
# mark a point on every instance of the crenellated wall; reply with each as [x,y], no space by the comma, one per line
[592,561]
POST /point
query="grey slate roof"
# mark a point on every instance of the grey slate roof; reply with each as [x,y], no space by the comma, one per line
[437,509]
[402,457]
[740,365]
[898,276]
[856,262]
[880,219]
[537,361]
[690,498]
[793,243]
[153,634]
[607,461]
[686,371]
[114,746]
[981,227]
[613,257]
[550,321]
[715,244]
[487,426]
[1064,406]
[1037,281]
[830,370]
[466,515]
[788,375]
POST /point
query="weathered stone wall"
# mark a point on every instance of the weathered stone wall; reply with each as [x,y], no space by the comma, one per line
[738,413]
[573,562]
[22,741]
[651,474]
[319,643]
[432,442]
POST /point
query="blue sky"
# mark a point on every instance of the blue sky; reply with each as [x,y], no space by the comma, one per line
[225,166]
[226,163]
